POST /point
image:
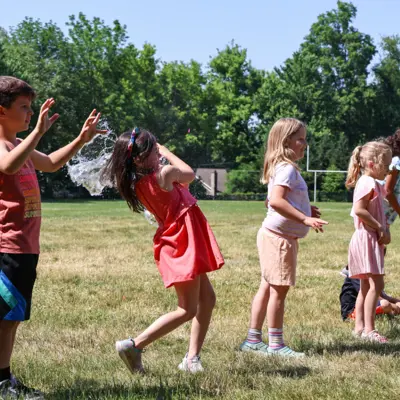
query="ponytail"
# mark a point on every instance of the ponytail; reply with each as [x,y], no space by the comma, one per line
[354,170]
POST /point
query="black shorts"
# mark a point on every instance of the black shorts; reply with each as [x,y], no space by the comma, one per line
[17,278]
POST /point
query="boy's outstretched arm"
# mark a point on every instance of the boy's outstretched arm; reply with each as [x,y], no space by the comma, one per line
[57,159]
[12,161]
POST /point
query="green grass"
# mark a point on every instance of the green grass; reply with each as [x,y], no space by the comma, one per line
[97,283]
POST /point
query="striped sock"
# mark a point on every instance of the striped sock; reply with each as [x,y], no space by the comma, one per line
[254,336]
[275,338]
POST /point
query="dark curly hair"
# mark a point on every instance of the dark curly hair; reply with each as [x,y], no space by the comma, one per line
[393,142]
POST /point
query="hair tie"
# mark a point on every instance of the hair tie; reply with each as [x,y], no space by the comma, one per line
[135,133]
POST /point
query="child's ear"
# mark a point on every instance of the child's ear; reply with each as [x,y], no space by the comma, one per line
[370,164]
[2,111]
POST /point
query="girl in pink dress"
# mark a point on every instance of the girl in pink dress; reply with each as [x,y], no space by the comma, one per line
[185,248]
[366,261]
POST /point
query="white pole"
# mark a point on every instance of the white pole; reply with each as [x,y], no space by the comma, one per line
[315,187]
[308,158]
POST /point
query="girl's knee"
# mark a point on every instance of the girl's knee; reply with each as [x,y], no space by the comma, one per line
[279,292]
[188,312]
[211,299]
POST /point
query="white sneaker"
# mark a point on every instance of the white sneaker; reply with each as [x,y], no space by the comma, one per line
[193,366]
[374,336]
[130,355]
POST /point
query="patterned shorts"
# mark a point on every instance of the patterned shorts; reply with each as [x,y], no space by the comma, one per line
[17,278]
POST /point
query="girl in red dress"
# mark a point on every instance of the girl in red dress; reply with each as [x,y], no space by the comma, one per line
[185,248]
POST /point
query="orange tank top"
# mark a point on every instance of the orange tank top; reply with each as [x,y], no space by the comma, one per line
[166,206]
[20,211]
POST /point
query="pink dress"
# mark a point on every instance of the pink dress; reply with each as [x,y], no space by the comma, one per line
[365,254]
[184,244]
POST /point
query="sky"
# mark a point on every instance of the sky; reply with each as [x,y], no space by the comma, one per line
[270,30]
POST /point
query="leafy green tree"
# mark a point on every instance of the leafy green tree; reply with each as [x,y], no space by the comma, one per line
[333,182]
[246,179]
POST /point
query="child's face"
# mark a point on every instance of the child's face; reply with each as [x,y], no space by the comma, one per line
[298,143]
[17,118]
[152,161]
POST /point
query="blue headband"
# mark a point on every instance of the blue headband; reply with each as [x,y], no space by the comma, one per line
[135,133]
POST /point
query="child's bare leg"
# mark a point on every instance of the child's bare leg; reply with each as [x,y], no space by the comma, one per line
[188,297]
[202,319]
[276,305]
[8,331]
[360,319]
[259,306]
[376,285]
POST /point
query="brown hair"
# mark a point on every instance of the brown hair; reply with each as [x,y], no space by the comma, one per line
[393,142]
[11,88]
[121,169]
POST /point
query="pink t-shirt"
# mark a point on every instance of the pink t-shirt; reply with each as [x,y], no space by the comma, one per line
[365,185]
[287,175]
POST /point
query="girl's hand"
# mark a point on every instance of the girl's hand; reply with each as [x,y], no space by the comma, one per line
[315,213]
[162,149]
[384,237]
[315,223]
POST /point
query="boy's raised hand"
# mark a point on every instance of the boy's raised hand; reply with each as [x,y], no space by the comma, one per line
[89,129]
[44,123]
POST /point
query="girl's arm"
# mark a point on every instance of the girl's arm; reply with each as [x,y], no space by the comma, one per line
[389,186]
[360,209]
[178,171]
[279,203]
[390,299]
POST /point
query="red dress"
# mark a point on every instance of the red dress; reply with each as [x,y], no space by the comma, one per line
[184,244]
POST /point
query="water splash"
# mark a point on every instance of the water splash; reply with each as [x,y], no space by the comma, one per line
[86,166]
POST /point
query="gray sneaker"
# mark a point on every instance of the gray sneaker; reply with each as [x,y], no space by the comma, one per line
[285,352]
[15,389]
[194,366]
[131,355]
[260,348]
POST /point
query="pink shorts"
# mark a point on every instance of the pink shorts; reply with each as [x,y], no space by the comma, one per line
[278,257]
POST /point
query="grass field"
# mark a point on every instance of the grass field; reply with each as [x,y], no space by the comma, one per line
[98,283]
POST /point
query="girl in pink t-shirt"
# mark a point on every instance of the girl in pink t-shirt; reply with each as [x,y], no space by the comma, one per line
[289,217]
[366,259]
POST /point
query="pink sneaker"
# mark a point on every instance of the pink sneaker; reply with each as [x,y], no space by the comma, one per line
[374,336]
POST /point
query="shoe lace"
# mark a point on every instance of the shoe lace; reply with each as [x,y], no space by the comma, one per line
[195,360]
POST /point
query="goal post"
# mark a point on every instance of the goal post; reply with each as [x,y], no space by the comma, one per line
[316,171]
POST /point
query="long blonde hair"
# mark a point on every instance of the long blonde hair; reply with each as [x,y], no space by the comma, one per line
[277,150]
[361,156]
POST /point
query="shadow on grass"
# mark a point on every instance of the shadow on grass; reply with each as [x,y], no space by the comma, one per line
[387,349]
[272,368]
[91,390]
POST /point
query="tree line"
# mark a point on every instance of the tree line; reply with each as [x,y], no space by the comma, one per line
[218,114]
